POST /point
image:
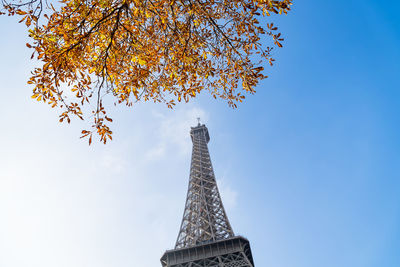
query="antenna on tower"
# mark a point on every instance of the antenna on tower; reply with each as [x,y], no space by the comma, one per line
[198,121]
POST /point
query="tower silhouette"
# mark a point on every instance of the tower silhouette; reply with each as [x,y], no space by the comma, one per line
[206,237]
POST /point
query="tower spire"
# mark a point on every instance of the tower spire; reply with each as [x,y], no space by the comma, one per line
[206,237]
[204,219]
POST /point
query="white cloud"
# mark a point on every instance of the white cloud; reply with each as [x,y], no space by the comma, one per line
[228,195]
[173,131]
[114,163]
[155,152]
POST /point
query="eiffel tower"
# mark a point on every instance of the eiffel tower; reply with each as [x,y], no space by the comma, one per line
[206,237]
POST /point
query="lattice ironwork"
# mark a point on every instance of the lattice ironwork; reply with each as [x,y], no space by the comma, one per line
[204,218]
[206,238]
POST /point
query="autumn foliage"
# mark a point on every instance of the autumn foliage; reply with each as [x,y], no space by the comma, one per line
[157,50]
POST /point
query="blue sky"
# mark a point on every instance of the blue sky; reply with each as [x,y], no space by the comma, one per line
[308,167]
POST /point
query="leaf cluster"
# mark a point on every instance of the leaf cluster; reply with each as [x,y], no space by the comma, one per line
[150,50]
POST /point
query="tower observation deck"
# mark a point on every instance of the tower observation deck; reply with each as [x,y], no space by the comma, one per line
[206,237]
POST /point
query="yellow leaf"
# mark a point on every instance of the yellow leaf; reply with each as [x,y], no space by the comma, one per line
[20,12]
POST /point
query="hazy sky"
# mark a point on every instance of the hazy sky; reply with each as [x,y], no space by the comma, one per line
[308,168]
